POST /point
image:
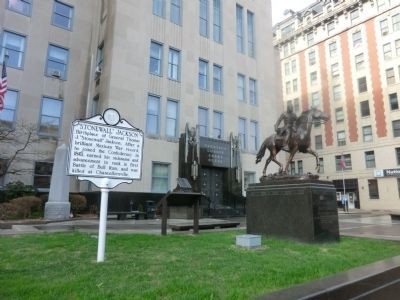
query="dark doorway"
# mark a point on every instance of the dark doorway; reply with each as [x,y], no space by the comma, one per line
[212,182]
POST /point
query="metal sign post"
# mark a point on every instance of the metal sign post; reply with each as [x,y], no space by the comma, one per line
[107,151]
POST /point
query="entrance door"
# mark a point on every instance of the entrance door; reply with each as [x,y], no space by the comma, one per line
[212,186]
[352,199]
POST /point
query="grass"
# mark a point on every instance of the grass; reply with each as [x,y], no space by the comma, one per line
[180,266]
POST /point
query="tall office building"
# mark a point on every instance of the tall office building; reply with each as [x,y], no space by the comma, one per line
[165,65]
[344,57]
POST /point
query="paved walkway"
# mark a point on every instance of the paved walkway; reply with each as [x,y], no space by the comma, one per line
[374,224]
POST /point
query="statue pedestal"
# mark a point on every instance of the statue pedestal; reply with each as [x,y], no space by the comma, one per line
[301,209]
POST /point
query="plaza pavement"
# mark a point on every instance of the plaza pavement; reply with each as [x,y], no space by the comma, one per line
[358,223]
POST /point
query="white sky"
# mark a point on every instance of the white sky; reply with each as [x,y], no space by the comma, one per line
[278,7]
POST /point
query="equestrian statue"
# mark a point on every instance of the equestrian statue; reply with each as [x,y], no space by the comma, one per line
[292,137]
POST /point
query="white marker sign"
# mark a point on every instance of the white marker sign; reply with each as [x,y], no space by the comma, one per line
[101,150]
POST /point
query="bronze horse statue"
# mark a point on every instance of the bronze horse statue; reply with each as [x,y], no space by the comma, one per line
[300,140]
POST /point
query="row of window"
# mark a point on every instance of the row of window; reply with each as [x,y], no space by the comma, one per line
[174,73]
[49,118]
[13,45]
[62,13]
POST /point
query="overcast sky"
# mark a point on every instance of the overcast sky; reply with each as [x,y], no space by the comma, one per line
[278,6]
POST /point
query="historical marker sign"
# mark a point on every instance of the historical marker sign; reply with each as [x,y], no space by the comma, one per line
[100,150]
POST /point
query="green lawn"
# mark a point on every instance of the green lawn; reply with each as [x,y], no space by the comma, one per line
[179,266]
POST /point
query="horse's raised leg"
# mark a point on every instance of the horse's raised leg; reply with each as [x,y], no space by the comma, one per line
[309,150]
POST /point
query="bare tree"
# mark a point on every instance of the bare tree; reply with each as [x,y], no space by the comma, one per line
[17,145]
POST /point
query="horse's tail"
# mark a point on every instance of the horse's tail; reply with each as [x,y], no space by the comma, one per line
[261,152]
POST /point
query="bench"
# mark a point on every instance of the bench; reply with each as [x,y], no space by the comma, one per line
[122,215]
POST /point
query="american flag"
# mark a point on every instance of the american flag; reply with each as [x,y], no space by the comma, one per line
[342,162]
[3,85]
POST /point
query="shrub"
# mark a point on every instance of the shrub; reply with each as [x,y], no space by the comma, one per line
[78,202]
[18,189]
[20,208]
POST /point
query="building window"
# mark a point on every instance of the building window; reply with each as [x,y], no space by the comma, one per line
[396,128]
[343,162]
[203,121]
[362,84]
[288,87]
[397,46]
[14,45]
[397,155]
[50,117]
[294,66]
[332,49]
[62,15]
[156,51]
[373,189]
[311,57]
[310,38]
[398,186]
[296,105]
[218,125]
[354,15]
[339,115]
[203,74]
[174,61]
[369,159]
[330,27]
[239,29]
[203,18]
[160,177]
[241,89]
[287,68]
[335,70]
[292,47]
[57,62]
[321,165]
[292,168]
[387,51]
[394,103]
[390,79]
[250,34]
[159,8]
[364,107]
[248,178]
[22,6]
[357,39]
[315,99]
[295,86]
[359,61]
[175,12]
[396,22]
[153,115]
[313,78]
[253,143]
[367,133]
[42,174]
[252,91]
[341,138]
[100,56]
[217,79]
[337,92]
[318,142]
[242,133]
[171,126]
[217,21]
[7,115]
[300,170]
[286,49]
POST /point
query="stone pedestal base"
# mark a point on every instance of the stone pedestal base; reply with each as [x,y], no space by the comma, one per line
[304,210]
[57,210]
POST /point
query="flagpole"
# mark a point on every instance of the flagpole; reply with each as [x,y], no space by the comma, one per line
[344,185]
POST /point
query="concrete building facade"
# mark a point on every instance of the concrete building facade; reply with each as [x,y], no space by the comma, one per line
[344,57]
[162,64]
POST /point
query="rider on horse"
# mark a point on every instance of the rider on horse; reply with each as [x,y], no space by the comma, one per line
[289,120]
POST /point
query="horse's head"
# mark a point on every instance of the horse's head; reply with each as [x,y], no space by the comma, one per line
[318,115]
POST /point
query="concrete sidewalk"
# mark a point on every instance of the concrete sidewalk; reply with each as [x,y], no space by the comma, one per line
[358,223]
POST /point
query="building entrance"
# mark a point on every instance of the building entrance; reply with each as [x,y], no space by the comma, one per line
[212,182]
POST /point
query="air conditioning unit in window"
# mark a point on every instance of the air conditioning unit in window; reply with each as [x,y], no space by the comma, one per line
[56,74]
